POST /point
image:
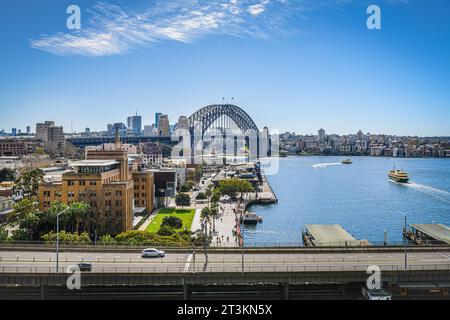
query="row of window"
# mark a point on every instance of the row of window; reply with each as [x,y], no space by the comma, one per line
[70,194]
[81,183]
[144,195]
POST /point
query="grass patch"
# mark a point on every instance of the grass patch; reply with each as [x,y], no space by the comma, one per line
[186,215]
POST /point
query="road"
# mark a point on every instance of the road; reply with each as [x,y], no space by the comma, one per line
[45,262]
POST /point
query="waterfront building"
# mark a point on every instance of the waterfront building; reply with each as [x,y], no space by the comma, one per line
[107,180]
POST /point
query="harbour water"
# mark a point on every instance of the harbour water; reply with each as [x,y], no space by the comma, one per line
[360,197]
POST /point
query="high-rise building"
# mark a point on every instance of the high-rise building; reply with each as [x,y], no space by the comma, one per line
[14,131]
[135,124]
[109,128]
[183,123]
[51,135]
[28,130]
[163,125]
[321,134]
[157,115]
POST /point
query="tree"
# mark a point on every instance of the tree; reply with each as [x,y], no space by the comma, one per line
[201,196]
[55,208]
[30,224]
[198,173]
[182,200]
[7,174]
[234,186]
[79,212]
[3,234]
[22,209]
[173,222]
[27,184]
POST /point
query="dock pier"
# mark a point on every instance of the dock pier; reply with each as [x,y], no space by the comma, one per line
[329,235]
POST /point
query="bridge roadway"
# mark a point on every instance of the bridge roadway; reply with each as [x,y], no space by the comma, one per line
[131,262]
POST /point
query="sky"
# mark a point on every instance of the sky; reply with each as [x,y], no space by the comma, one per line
[291,65]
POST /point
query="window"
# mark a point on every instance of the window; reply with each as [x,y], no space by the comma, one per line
[118,193]
[70,183]
[82,183]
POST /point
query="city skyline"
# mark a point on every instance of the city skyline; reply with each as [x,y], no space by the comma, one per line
[313,66]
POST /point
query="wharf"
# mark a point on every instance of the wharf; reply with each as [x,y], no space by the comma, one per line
[429,233]
[329,235]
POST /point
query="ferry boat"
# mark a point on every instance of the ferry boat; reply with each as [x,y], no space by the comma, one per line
[398,176]
[347,161]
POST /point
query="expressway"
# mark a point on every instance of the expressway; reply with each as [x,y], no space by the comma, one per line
[126,262]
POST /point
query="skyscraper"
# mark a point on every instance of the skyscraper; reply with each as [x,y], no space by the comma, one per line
[135,124]
[157,115]
[321,134]
[183,123]
[163,125]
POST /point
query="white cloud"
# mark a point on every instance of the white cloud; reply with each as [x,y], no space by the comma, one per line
[110,29]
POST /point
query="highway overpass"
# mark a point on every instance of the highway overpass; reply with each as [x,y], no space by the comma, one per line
[277,274]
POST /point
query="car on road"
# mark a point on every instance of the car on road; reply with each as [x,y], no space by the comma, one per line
[85,266]
[152,252]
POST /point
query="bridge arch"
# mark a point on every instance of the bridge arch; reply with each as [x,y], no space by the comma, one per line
[207,116]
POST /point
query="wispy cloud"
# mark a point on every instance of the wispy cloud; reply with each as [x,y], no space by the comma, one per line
[109,29]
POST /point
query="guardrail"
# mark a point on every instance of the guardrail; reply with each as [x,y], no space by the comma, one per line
[161,269]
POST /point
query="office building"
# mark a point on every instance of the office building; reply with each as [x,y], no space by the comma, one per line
[163,125]
[135,124]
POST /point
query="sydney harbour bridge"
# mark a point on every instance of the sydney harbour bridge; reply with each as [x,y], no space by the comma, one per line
[213,121]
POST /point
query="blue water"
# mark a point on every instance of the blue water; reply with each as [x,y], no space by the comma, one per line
[360,197]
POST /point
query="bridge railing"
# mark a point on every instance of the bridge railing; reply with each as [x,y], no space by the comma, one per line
[171,269]
[225,246]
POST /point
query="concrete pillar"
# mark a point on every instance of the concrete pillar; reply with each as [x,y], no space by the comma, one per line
[43,292]
[286,291]
[185,292]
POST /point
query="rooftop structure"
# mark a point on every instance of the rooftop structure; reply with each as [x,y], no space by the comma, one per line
[423,233]
[329,235]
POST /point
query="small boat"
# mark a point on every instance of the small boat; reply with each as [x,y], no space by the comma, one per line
[398,176]
[347,161]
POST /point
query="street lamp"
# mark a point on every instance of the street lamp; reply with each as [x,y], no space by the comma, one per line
[57,239]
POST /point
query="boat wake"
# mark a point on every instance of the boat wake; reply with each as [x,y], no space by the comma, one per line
[324,165]
[433,192]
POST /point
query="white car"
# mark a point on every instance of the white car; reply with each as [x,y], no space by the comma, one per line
[152,252]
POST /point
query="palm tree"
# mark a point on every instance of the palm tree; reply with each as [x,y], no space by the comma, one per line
[206,216]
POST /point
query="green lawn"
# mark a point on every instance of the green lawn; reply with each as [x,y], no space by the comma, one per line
[186,215]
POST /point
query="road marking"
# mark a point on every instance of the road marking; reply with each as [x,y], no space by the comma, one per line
[188,263]
[443,255]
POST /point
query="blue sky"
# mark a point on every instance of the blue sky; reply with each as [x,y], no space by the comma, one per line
[292,65]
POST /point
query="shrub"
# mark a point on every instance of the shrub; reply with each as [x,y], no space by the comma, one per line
[173,222]
[165,231]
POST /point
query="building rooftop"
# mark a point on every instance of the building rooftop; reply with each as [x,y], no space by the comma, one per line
[438,232]
[94,163]
[329,234]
